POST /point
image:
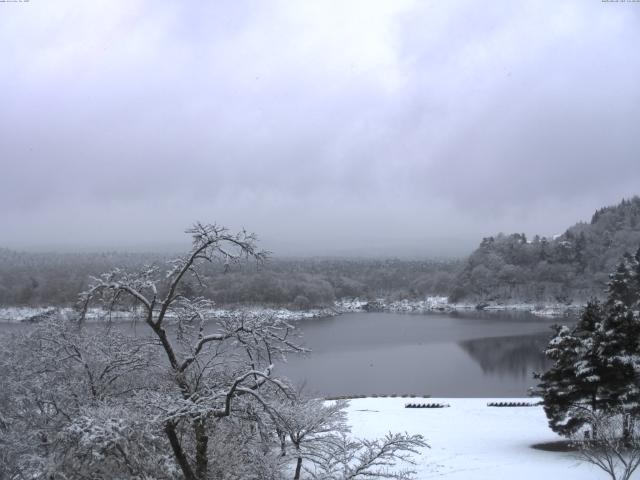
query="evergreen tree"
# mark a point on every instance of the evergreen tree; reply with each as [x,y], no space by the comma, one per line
[597,362]
[636,275]
[557,385]
[620,352]
[571,388]
[580,245]
[622,283]
[590,366]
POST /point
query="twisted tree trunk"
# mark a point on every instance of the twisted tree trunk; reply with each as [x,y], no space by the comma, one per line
[202,444]
[181,457]
[298,464]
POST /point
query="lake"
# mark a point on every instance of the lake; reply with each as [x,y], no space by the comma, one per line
[470,354]
[474,354]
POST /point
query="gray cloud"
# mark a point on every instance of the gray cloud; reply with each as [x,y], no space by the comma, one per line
[327,127]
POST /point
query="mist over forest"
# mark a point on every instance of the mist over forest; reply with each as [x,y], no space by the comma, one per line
[570,268]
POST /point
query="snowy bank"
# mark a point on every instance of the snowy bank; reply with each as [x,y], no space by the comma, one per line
[347,305]
[471,441]
[441,304]
[24,314]
[35,314]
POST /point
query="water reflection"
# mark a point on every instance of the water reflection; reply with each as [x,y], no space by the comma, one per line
[517,356]
[457,355]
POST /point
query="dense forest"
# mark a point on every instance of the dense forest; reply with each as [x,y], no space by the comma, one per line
[571,267]
[42,279]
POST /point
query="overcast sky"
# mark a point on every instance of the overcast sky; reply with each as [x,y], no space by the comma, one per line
[372,127]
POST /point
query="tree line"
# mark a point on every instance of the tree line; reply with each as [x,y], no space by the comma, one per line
[53,279]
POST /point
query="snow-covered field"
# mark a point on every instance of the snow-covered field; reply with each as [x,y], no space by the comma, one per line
[470,441]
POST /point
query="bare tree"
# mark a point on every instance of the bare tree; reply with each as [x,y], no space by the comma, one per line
[615,448]
[317,430]
[208,369]
[55,379]
[349,459]
[190,397]
[309,423]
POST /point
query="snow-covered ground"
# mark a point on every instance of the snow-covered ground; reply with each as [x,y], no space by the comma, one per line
[441,304]
[22,314]
[426,305]
[470,441]
[25,314]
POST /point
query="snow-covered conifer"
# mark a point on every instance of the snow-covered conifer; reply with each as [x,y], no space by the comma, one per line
[623,282]
[559,385]
[596,364]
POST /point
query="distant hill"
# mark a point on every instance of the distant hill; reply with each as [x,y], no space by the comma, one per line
[571,267]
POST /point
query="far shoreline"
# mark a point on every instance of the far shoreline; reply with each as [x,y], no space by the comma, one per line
[430,305]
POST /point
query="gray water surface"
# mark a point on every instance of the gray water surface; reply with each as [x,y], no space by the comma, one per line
[442,355]
[475,354]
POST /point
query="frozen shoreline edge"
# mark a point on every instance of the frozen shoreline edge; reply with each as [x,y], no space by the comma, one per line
[428,305]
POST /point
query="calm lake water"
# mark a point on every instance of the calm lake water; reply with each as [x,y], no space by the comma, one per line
[475,354]
[442,355]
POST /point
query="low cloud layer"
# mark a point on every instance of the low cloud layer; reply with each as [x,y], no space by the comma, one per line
[407,128]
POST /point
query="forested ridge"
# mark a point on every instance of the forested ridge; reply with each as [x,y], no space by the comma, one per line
[572,267]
